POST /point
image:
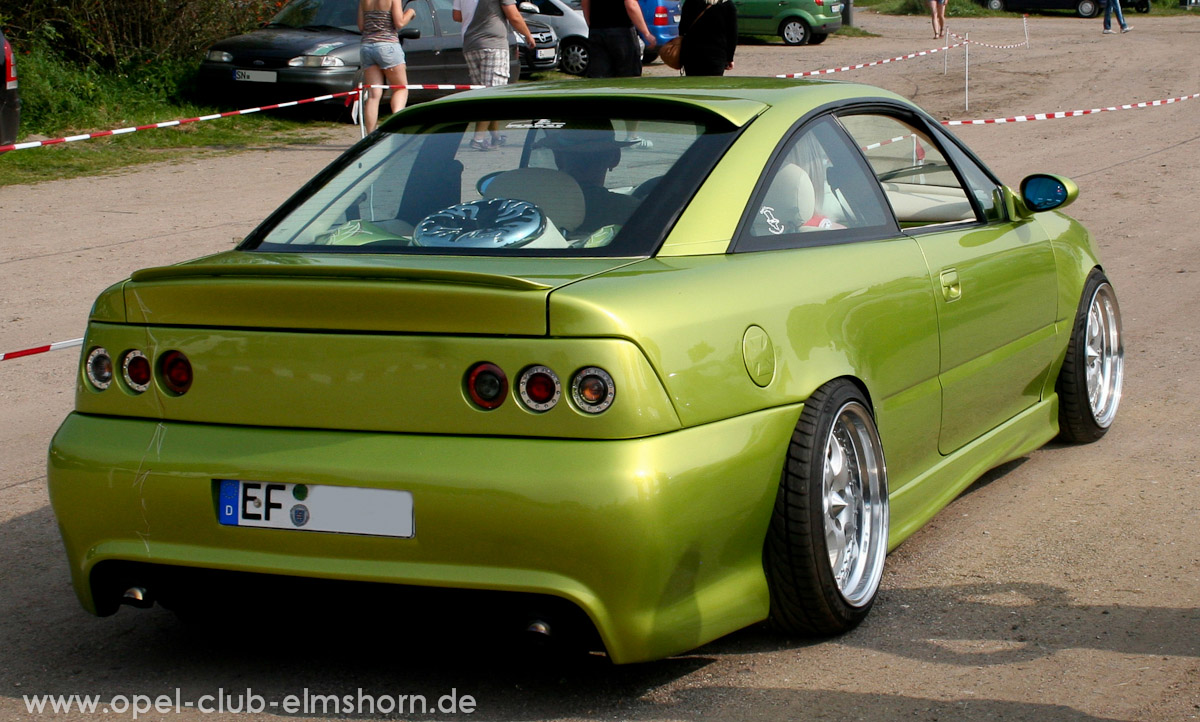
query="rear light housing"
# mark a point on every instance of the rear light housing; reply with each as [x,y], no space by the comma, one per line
[539,388]
[135,367]
[487,385]
[661,16]
[99,368]
[593,390]
[176,372]
[10,66]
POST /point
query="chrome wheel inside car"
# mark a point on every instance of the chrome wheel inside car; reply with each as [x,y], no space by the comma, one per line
[854,498]
[1104,356]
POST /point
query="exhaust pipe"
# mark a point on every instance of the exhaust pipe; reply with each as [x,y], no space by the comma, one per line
[538,629]
[137,597]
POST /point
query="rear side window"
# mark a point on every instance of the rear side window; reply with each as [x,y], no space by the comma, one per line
[818,191]
[563,185]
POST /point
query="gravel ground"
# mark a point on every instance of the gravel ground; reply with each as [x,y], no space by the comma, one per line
[1063,586]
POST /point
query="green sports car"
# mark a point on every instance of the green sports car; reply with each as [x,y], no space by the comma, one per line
[668,357]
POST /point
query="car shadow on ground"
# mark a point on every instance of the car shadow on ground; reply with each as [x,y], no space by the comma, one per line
[53,647]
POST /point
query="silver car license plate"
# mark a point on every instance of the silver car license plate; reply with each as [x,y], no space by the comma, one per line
[316,507]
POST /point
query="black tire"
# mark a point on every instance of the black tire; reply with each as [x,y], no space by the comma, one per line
[573,56]
[997,5]
[817,38]
[1087,8]
[795,31]
[836,430]
[650,55]
[1090,382]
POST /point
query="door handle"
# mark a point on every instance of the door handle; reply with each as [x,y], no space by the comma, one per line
[951,287]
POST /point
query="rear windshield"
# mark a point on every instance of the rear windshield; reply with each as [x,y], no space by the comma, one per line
[570,186]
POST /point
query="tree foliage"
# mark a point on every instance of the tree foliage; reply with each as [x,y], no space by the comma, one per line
[123,34]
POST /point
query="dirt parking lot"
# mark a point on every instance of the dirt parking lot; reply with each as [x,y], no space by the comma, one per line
[1064,586]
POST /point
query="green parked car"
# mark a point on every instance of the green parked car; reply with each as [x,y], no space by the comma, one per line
[798,22]
[649,390]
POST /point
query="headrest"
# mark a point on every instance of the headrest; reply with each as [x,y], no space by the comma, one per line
[556,193]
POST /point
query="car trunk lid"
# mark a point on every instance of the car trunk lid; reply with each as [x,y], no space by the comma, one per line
[340,292]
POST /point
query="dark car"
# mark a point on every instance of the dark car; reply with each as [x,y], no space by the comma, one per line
[10,100]
[545,55]
[1082,8]
[311,48]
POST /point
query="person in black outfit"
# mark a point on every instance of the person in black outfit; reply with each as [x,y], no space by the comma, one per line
[613,27]
[709,30]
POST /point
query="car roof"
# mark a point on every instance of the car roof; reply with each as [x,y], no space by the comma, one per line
[738,100]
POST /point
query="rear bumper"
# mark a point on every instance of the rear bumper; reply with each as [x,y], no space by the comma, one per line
[658,540]
[10,115]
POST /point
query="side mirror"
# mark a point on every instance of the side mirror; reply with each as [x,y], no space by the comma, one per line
[528,7]
[410,33]
[1044,192]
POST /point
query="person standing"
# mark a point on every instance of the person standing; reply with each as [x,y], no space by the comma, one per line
[381,56]
[1109,7]
[485,47]
[937,9]
[709,32]
[613,27]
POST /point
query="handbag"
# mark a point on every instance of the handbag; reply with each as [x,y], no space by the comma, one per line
[672,50]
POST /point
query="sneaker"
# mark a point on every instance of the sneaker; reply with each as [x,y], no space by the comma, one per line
[639,142]
[499,140]
[1127,28]
[480,145]
[1108,31]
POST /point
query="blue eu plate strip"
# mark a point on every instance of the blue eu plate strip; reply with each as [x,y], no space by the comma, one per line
[227,502]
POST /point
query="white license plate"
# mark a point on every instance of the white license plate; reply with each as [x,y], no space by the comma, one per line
[315,507]
[677,17]
[545,53]
[254,76]
[836,9]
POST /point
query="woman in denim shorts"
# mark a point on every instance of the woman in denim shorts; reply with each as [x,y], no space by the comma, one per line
[381,55]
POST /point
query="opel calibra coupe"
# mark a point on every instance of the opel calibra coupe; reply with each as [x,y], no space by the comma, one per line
[681,355]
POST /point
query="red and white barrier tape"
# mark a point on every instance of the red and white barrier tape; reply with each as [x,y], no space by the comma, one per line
[1024,23]
[844,68]
[215,116]
[987,45]
[41,349]
[1072,113]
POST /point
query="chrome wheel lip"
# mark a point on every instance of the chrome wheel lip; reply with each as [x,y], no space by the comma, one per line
[1104,355]
[855,504]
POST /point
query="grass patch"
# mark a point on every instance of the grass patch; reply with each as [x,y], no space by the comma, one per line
[62,99]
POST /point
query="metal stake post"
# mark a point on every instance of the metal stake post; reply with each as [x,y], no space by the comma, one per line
[362,121]
[967,71]
[1025,22]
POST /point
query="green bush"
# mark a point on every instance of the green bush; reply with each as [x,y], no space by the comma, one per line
[122,35]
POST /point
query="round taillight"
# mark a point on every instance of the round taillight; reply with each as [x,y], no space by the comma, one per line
[487,385]
[593,390]
[176,372]
[136,368]
[99,368]
[539,388]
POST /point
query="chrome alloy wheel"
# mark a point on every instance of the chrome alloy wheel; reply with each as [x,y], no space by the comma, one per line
[854,492]
[1104,356]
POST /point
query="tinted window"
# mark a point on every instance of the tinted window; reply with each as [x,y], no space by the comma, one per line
[817,191]
[302,13]
[563,185]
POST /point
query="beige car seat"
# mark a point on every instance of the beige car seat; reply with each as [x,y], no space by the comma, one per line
[789,203]
[555,192]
